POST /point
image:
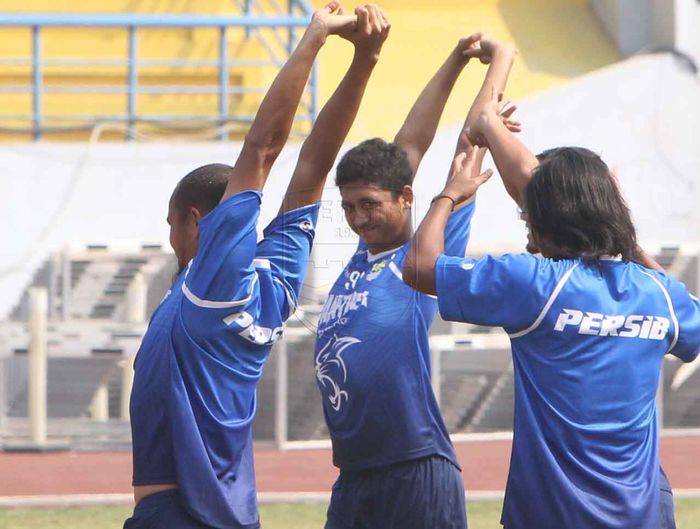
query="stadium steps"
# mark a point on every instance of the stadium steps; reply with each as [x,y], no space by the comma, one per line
[42,276]
[495,411]
[686,268]
[459,395]
[682,404]
[78,434]
[304,413]
[264,422]
[71,385]
[100,276]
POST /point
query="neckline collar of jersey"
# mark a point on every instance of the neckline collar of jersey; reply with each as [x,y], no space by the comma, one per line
[610,258]
[371,257]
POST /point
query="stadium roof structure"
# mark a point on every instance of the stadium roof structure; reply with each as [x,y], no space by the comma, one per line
[642,115]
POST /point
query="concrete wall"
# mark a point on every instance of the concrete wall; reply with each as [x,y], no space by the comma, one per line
[642,115]
[627,22]
[638,25]
[687,27]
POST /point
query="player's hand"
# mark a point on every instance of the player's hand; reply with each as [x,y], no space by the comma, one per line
[488,48]
[332,20]
[463,182]
[468,48]
[371,31]
[506,112]
[494,111]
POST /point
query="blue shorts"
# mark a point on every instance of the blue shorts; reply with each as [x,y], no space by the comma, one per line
[162,510]
[426,493]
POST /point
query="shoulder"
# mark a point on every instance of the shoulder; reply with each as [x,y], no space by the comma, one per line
[241,207]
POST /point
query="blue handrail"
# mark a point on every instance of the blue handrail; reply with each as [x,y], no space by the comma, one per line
[149,21]
[132,23]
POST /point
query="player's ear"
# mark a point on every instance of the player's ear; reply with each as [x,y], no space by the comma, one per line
[406,197]
[195,215]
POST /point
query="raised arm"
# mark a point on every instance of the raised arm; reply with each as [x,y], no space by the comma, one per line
[429,240]
[500,58]
[418,130]
[335,119]
[273,121]
[514,161]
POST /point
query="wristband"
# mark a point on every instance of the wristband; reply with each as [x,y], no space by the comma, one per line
[438,197]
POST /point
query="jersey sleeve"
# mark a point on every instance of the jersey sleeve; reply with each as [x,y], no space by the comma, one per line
[458,229]
[499,292]
[286,248]
[687,311]
[222,271]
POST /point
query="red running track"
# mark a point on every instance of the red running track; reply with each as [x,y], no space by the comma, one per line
[484,464]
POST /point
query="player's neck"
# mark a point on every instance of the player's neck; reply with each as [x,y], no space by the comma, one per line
[396,242]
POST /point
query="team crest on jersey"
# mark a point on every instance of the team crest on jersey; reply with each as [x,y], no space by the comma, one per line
[376,270]
[331,371]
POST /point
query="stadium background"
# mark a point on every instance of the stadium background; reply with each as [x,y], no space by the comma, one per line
[89,160]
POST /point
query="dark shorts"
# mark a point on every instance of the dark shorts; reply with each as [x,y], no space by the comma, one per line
[162,510]
[426,493]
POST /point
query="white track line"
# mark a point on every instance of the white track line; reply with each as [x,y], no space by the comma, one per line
[88,500]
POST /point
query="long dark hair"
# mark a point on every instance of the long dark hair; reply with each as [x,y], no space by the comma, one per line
[574,208]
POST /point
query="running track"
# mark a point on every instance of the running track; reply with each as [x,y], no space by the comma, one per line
[485,465]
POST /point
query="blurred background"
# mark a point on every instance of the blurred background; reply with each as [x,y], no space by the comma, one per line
[104,106]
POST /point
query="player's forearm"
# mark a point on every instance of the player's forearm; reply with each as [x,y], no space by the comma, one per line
[273,121]
[428,244]
[494,82]
[336,118]
[513,159]
[418,130]
[328,134]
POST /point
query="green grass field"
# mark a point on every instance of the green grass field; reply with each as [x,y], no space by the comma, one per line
[482,515]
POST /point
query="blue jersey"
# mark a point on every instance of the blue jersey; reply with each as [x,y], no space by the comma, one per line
[372,360]
[588,339]
[193,399]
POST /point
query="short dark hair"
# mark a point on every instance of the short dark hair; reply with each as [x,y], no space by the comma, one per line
[202,188]
[378,162]
[574,208]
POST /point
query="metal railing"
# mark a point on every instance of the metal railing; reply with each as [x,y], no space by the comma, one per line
[296,17]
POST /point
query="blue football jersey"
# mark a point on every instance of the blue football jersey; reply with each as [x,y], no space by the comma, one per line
[588,339]
[372,360]
[193,400]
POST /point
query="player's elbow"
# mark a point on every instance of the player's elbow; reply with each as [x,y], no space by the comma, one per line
[264,148]
[419,274]
[409,273]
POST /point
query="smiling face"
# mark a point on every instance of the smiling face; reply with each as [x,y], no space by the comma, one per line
[381,219]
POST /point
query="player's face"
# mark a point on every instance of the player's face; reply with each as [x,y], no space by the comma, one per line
[184,234]
[379,218]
